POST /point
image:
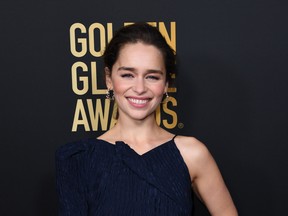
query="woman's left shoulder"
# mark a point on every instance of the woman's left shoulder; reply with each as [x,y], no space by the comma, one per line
[193,151]
[190,145]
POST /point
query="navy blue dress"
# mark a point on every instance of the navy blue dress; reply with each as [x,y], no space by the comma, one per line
[97,178]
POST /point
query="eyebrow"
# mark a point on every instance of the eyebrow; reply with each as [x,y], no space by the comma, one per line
[134,70]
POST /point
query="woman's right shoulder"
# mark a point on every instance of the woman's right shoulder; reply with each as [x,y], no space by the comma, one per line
[75,148]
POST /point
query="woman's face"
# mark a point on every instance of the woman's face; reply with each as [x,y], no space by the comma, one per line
[138,79]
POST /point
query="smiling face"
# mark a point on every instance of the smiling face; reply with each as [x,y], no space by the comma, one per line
[138,79]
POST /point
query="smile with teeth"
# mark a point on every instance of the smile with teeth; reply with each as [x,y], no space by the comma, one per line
[138,101]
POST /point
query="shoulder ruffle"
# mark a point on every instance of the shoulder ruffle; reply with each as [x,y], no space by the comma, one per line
[72,149]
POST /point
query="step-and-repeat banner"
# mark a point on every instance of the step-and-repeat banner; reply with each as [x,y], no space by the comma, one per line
[230,91]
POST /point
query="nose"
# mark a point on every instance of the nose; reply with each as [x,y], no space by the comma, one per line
[139,86]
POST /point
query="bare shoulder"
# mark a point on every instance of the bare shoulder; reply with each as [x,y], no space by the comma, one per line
[207,181]
[191,147]
[194,153]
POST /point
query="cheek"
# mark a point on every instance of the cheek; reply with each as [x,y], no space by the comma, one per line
[159,91]
[119,87]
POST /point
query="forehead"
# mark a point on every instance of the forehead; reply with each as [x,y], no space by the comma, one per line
[133,53]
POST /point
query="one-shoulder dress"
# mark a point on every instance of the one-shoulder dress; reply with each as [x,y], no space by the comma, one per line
[98,178]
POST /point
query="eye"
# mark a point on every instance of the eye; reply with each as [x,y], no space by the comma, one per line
[127,75]
[152,77]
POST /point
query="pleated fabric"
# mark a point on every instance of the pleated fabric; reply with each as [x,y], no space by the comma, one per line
[97,178]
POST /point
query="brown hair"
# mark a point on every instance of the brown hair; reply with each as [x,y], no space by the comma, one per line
[145,33]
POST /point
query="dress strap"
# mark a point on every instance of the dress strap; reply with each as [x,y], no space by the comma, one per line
[174,136]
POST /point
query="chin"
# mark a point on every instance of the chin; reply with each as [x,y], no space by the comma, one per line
[139,116]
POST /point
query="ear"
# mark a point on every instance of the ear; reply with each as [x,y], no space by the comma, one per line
[108,78]
[166,87]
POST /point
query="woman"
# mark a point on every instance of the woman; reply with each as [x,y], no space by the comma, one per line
[138,168]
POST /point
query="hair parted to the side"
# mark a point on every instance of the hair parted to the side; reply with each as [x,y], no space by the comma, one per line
[144,33]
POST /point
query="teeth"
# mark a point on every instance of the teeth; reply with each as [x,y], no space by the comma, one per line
[137,101]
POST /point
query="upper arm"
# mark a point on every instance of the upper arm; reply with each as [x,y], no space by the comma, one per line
[207,180]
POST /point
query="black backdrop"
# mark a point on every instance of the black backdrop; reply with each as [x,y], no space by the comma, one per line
[231,92]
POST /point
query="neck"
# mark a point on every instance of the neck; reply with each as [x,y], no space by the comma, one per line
[141,135]
[137,130]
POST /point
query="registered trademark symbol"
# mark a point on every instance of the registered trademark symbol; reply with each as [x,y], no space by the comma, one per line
[180,125]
